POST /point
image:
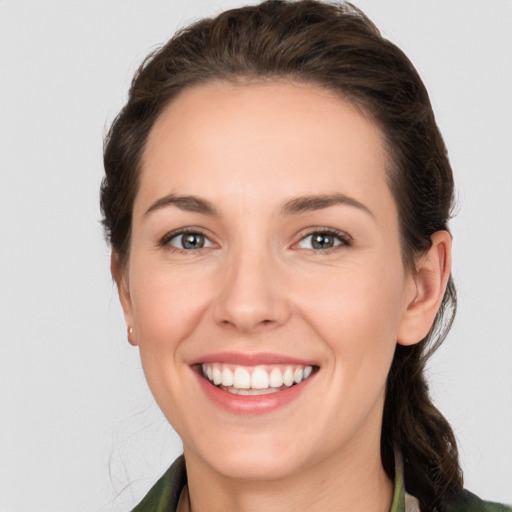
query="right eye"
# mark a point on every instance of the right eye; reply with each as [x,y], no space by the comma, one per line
[187,240]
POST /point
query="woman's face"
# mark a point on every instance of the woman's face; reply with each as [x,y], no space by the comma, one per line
[265,248]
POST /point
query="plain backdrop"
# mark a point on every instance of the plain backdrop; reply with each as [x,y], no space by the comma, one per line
[78,428]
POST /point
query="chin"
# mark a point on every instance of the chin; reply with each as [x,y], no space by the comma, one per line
[270,465]
[259,458]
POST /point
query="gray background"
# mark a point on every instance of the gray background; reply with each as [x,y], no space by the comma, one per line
[78,428]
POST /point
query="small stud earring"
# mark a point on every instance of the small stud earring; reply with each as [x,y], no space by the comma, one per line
[130,334]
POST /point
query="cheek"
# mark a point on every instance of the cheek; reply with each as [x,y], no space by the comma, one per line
[167,305]
[355,298]
[356,312]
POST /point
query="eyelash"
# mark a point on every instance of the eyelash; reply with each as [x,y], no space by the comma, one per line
[344,239]
[166,239]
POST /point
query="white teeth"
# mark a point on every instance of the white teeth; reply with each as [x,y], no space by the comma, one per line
[241,378]
[255,380]
[227,377]
[288,377]
[252,392]
[259,379]
[276,378]
[217,376]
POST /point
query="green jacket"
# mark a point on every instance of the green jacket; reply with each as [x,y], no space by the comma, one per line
[165,495]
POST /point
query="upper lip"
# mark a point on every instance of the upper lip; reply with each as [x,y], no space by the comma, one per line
[245,359]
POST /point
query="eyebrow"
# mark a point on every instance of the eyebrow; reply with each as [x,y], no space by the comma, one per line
[187,203]
[304,204]
[294,206]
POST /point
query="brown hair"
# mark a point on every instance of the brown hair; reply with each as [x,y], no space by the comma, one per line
[337,47]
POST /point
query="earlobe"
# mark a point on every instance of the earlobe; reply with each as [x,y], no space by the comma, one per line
[124,295]
[429,281]
[130,336]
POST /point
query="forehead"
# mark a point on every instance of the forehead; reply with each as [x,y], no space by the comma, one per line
[256,140]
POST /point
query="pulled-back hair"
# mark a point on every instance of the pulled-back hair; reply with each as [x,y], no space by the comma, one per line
[336,47]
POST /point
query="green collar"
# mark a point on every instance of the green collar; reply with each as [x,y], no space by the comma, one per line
[402,501]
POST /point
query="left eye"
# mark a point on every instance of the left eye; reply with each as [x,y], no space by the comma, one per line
[189,241]
[322,240]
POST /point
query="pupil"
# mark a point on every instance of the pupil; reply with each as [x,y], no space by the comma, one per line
[322,241]
[192,241]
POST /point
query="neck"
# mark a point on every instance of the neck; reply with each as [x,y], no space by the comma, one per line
[354,481]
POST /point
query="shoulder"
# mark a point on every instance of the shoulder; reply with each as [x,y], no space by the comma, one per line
[469,502]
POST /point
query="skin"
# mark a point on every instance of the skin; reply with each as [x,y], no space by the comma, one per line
[258,285]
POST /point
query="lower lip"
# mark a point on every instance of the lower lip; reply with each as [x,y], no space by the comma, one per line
[251,404]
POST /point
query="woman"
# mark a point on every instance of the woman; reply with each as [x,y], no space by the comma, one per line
[277,196]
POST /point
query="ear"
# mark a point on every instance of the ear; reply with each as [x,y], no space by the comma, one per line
[123,289]
[427,285]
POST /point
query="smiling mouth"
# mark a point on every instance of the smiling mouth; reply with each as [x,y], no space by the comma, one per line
[255,380]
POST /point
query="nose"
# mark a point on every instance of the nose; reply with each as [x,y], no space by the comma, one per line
[251,294]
